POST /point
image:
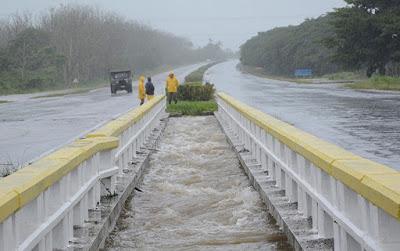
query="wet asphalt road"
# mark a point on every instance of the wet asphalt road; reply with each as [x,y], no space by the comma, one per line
[31,127]
[366,123]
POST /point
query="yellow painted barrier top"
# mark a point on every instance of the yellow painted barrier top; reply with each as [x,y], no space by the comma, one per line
[377,183]
[117,126]
[25,185]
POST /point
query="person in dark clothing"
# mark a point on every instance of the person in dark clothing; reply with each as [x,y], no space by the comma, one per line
[149,89]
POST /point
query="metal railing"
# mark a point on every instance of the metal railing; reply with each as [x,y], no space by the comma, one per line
[350,199]
[41,203]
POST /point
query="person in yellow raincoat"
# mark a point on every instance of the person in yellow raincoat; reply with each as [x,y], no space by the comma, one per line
[142,93]
[172,85]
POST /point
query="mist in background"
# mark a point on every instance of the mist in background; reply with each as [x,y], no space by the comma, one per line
[230,21]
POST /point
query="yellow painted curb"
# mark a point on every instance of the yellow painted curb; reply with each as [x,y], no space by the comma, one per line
[117,126]
[26,184]
[375,182]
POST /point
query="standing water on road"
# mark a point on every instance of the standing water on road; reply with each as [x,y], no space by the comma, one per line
[31,126]
[195,197]
[366,123]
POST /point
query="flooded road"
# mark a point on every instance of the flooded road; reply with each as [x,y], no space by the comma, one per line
[195,197]
[31,126]
[366,123]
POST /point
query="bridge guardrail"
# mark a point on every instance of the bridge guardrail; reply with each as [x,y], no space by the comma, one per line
[351,199]
[41,203]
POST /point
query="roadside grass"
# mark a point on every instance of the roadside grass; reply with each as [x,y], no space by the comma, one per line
[197,75]
[340,77]
[64,93]
[20,89]
[4,101]
[377,83]
[193,108]
[259,72]
[344,76]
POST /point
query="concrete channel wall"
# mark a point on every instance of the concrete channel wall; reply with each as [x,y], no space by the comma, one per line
[321,195]
[43,204]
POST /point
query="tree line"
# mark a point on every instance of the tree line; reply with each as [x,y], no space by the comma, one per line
[85,43]
[363,36]
[281,51]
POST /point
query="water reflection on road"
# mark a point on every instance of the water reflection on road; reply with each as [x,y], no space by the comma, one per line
[366,123]
[30,126]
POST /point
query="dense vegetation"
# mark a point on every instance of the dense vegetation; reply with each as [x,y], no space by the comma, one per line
[196,91]
[283,50]
[367,35]
[84,43]
[195,97]
[193,108]
[364,36]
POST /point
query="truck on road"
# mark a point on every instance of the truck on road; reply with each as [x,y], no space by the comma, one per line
[120,80]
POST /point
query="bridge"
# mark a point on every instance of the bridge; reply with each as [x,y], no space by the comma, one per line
[321,196]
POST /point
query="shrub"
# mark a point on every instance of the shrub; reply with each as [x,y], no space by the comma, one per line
[196,92]
[193,108]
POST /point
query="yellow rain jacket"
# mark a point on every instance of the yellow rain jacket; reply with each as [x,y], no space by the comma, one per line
[142,92]
[172,84]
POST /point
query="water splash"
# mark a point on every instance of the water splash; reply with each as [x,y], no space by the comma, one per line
[196,197]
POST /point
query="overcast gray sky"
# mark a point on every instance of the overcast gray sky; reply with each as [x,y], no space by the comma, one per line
[229,21]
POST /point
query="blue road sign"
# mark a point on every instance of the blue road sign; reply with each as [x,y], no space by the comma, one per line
[303,73]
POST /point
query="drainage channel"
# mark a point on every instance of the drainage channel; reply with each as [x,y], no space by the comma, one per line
[195,196]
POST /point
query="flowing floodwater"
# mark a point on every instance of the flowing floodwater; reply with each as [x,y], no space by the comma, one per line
[195,197]
[366,123]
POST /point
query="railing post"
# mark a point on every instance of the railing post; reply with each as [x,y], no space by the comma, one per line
[106,162]
[7,234]
[387,228]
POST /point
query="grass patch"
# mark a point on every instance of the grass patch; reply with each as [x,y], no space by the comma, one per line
[4,101]
[193,108]
[344,76]
[340,77]
[197,75]
[259,72]
[64,93]
[58,87]
[378,83]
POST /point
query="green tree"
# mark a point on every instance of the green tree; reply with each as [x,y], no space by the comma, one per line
[281,51]
[31,51]
[29,61]
[367,34]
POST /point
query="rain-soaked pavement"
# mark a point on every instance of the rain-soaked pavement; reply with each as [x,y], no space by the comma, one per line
[195,197]
[366,123]
[30,127]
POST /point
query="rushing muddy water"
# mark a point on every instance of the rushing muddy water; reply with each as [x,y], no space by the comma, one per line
[195,197]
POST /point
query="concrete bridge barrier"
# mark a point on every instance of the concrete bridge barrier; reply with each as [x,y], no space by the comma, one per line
[319,193]
[322,196]
[41,203]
